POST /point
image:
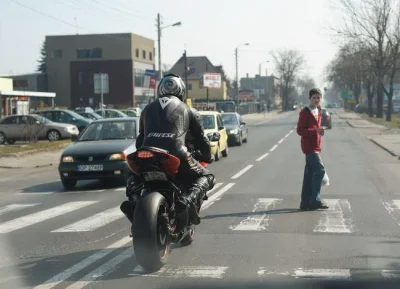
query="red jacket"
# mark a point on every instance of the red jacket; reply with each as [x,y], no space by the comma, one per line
[307,129]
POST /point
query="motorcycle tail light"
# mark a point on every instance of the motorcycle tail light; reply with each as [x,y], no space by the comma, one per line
[203,164]
[171,165]
[132,166]
[145,155]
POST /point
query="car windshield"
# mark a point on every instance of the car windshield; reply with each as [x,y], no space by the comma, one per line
[230,119]
[208,121]
[74,114]
[109,130]
[40,118]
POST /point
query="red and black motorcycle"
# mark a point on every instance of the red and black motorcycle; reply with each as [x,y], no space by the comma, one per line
[160,216]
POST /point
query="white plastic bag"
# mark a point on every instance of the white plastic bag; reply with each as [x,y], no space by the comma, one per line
[325,180]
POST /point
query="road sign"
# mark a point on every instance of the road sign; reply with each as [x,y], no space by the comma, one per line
[100,81]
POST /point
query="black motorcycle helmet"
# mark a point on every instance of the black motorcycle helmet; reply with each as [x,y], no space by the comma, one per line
[171,84]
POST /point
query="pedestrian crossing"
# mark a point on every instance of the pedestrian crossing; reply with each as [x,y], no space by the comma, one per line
[338,219]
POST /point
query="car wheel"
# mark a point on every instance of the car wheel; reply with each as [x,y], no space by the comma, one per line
[2,138]
[69,184]
[217,154]
[11,141]
[53,135]
[245,140]
[226,151]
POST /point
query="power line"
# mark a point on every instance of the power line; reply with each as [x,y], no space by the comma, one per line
[65,22]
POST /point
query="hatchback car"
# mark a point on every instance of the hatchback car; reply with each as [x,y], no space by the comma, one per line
[236,128]
[213,123]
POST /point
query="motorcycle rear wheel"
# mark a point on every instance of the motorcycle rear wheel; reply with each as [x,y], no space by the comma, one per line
[151,242]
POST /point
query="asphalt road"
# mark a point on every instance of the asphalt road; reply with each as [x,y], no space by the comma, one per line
[251,227]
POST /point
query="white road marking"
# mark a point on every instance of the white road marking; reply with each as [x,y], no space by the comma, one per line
[333,220]
[262,271]
[390,274]
[216,196]
[104,269]
[241,172]
[41,216]
[123,189]
[326,274]
[63,276]
[273,148]
[34,193]
[281,140]
[257,221]
[262,157]
[216,186]
[393,208]
[286,135]
[15,207]
[93,222]
[169,271]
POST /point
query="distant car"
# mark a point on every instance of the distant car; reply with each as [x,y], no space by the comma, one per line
[100,151]
[25,127]
[214,125]
[235,127]
[326,119]
[130,112]
[65,116]
[111,113]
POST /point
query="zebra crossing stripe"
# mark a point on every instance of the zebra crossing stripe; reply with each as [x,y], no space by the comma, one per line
[41,216]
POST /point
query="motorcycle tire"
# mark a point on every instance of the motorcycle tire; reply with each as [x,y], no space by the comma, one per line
[151,242]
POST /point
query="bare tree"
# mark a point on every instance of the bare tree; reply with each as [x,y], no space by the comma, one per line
[368,22]
[304,85]
[393,36]
[288,64]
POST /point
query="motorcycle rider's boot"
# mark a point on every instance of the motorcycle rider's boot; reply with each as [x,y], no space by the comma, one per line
[127,209]
[195,197]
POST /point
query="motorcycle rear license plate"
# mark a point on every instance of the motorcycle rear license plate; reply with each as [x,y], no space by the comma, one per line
[90,168]
[155,176]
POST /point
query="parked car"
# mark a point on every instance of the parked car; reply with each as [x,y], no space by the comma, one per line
[87,112]
[236,128]
[214,125]
[65,116]
[326,119]
[130,112]
[27,127]
[100,151]
[111,113]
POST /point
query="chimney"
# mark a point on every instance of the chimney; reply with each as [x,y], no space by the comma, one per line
[247,75]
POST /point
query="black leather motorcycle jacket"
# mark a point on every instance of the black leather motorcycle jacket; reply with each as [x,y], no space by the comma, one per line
[165,123]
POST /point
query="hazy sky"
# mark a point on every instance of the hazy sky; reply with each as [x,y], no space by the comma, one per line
[209,27]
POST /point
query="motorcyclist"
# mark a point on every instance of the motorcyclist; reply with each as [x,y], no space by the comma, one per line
[165,124]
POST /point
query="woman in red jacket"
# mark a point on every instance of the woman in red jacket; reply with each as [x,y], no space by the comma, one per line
[310,130]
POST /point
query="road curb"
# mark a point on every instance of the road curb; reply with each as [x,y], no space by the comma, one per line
[30,167]
[382,147]
[349,123]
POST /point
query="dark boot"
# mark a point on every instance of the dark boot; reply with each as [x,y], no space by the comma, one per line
[127,208]
[195,197]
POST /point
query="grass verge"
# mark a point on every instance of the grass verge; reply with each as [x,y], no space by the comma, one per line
[44,145]
[395,123]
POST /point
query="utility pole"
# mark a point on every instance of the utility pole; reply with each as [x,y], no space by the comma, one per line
[186,76]
[237,77]
[208,102]
[160,74]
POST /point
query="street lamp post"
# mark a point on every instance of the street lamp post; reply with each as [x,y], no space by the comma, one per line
[159,31]
[237,71]
[259,67]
